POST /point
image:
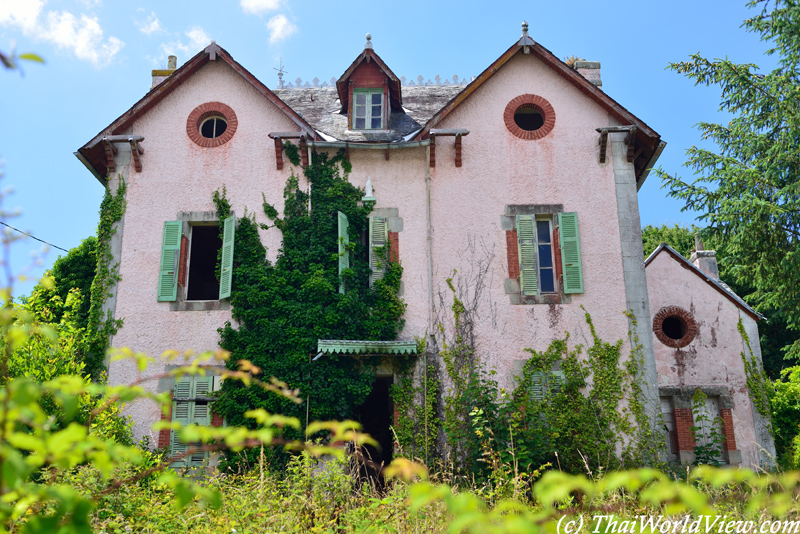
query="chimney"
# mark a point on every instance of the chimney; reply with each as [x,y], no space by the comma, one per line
[590,70]
[705,260]
[159,75]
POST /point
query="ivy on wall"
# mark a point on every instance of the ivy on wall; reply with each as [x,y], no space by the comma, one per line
[758,384]
[101,326]
[281,310]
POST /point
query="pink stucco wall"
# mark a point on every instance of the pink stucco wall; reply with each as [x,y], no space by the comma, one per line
[713,358]
[467,204]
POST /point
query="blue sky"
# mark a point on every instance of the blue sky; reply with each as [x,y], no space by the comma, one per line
[99,54]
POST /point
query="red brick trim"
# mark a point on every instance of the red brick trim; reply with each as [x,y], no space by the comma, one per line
[530,101]
[684,421]
[682,315]
[394,247]
[216,419]
[163,435]
[512,252]
[727,428]
[204,111]
[279,153]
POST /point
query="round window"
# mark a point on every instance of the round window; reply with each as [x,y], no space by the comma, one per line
[529,117]
[213,127]
[674,326]
[211,124]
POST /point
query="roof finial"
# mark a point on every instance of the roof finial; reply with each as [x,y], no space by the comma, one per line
[524,28]
[368,44]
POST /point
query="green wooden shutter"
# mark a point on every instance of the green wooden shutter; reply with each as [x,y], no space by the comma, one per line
[537,390]
[378,237]
[570,252]
[226,275]
[168,270]
[557,381]
[526,240]
[344,253]
[181,413]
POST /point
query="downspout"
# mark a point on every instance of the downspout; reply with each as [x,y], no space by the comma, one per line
[430,289]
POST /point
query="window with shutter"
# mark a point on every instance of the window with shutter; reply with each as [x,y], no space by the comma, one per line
[191,404]
[378,239]
[344,241]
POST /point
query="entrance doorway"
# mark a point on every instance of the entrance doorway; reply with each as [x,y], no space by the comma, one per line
[375,416]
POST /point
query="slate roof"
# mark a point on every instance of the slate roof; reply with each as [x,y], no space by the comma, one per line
[320,107]
[716,283]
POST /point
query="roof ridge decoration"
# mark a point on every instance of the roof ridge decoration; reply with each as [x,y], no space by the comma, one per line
[716,283]
[92,154]
[437,81]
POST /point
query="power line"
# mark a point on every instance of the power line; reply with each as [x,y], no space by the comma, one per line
[33,237]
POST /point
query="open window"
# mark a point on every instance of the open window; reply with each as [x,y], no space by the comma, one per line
[190,253]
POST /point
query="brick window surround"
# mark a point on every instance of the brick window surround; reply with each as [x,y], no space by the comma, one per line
[685,317]
[530,101]
[204,111]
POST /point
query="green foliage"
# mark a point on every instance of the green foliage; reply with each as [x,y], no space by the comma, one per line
[76,270]
[785,403]
[417,425]
[596,419]
[283,309]
[678,237]
[707,433]
[746,187]
[101,326]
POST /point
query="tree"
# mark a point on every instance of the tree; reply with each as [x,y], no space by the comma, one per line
[747,189]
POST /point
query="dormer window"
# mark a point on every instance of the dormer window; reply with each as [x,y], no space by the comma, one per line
[368,109]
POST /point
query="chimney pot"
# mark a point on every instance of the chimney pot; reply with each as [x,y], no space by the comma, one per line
[172,62]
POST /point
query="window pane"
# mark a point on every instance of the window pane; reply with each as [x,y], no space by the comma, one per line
[377,98]
[361,111]
[361,124]
[361,98]
[545,256]
[376,124]
[376,111]
[547,280]
[543,231]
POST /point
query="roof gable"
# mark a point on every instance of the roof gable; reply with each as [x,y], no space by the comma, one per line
[93,153]
[648,141]
[718,285]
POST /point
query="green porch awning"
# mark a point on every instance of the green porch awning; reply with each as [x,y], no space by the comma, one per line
[350,346]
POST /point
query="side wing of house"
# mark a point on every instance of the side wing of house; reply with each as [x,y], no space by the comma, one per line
[698,346]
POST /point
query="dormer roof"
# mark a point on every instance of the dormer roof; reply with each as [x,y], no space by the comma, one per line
[368,56]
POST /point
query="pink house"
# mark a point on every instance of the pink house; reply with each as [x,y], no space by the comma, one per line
[531,160]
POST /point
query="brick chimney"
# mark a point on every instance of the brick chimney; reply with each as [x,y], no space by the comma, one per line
[590,70]
[705,260]
[159,75]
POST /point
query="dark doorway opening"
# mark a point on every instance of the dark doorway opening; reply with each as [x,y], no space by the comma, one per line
[203,283]
[375,416]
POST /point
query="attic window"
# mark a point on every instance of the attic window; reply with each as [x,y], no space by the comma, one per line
[529,117]
[368,109]
[674,326]
[211,124]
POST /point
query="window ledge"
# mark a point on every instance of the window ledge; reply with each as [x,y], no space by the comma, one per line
[200,305]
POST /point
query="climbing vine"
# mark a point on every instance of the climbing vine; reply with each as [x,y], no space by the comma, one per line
[759,385]
[101,327]
[416,426]
[282,309]
[592,418]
